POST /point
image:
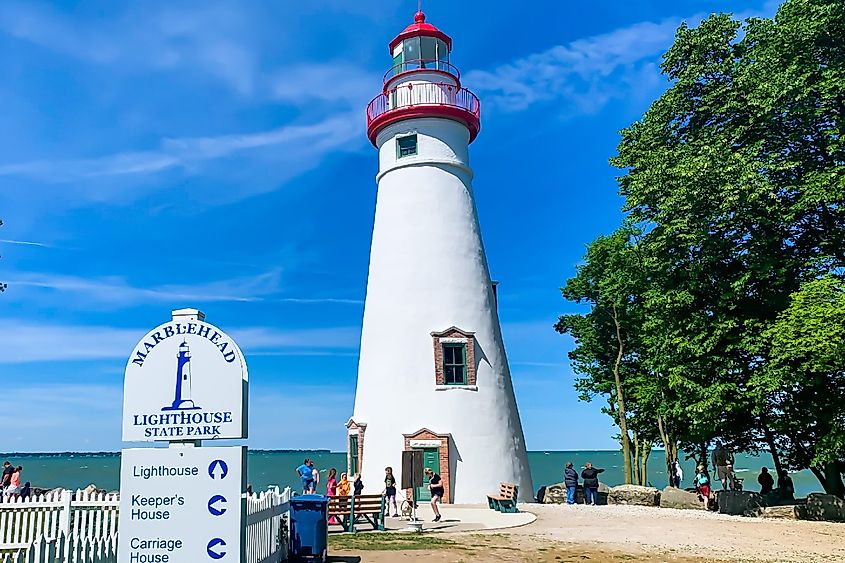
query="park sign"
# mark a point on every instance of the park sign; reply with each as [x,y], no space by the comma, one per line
[182,505]
[186,380]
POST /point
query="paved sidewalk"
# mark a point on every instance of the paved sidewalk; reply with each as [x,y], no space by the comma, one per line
[463,518]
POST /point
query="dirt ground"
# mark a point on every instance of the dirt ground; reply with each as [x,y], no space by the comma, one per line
[606,534]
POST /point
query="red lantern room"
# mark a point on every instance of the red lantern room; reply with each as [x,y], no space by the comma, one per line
[422,83]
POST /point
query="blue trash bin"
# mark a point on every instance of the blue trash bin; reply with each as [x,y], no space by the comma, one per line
[309,527]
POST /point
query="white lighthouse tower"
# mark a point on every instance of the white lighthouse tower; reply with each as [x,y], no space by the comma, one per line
[432,374]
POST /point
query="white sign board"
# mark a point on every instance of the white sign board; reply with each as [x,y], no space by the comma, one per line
[182,505]
[185,380]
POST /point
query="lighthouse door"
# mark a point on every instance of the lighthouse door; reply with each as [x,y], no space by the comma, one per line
[431,458]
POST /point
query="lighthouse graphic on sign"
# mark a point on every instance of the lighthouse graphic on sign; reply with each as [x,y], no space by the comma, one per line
[182,395]
[432,374]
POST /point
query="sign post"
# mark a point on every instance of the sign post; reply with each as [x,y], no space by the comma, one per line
[186,381]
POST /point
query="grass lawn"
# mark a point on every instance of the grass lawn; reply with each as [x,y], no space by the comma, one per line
[389,542]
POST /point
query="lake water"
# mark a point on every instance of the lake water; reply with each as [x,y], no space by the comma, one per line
[77,470]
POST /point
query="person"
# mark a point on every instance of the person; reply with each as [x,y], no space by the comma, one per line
[306,473]
[390,491]
[435,485]
[331,490]
[787,489]
[357,485]
[315,476]
[767,482]
[570,479]
[702,485]
[590,475]
[26,491]
[7,475]
[343,486]
[677,473]
[14,488]
[723,461]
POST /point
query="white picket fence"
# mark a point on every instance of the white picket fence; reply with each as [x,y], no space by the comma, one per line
[81,527]
[267,524]
[84,515]
[70,550]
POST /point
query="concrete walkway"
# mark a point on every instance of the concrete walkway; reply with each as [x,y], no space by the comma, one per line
[463,518]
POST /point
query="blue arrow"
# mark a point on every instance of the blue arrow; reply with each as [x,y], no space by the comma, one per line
[210,548]
[224,469]
[213,509]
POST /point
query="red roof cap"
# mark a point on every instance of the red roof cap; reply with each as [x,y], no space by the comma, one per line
[420,28]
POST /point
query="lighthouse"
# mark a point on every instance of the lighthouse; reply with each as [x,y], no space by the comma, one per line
[432,374]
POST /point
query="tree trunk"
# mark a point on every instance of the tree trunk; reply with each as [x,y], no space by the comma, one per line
[667,448]
[644,471]
[620,400]
[703,453]
[773,450]
[636,461]
[833,479]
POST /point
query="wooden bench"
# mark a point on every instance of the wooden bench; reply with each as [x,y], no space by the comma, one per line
[506,500]
[352,510]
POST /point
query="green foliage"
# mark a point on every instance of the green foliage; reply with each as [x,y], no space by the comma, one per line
[734,187]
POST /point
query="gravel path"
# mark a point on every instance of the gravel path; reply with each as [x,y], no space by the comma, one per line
[688,533]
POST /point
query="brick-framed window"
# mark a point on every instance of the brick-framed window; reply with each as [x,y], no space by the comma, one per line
[454,359]
[355,440]
[454,363]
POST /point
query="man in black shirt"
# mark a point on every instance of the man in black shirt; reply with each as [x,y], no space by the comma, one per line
[8,470]
[435,485]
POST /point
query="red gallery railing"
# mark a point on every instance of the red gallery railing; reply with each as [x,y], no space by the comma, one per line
[410,95]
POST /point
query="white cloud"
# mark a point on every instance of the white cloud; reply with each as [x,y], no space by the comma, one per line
[329,82]
[576,73]
[117,291]
[211,39]
[26,341]
[294,143]
[24,242]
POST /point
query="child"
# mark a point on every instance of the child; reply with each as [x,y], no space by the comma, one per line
[331,490]
[702,483]
[358,485]
[343,486]
[390,491]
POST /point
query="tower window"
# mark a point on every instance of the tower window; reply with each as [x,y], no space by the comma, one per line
[406,146]
[454,364]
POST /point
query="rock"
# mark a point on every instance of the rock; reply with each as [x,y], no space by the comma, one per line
[824,507]
[556,494]
[634,494]
[672,497]
[786,512]
[738,503]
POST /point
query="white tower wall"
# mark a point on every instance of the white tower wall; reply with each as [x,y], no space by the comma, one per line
[428,272]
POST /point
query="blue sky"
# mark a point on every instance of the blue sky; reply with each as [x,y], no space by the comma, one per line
[159,155]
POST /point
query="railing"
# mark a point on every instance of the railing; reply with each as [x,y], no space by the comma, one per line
[423,94]
[422,64]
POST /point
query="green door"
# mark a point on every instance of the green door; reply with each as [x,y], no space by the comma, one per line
[353,455]
[431,459]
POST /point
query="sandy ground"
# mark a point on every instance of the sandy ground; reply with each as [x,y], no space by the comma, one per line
[633,534]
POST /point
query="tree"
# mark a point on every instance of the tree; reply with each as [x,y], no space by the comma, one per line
[807,350]
[605,354]
[735,181]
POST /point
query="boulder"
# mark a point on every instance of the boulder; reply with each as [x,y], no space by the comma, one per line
[672,497]
[634,494]
[556,494]
[786,512]
[824,507]
[738,503]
